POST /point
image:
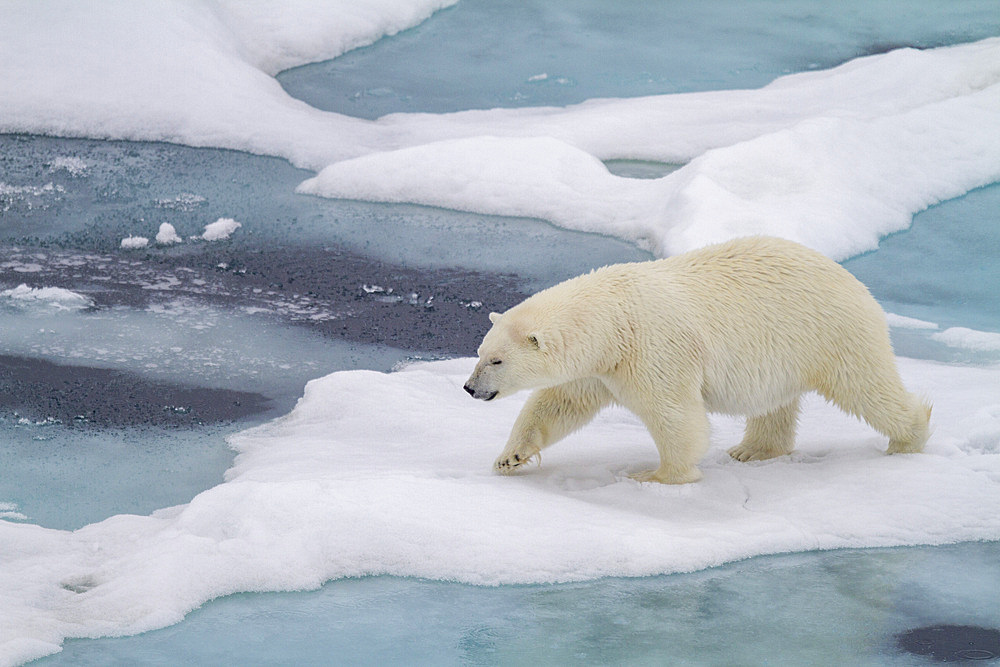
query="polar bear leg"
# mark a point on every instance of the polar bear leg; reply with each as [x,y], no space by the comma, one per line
[769,435]
[679,425]
[548,416]
[874,392]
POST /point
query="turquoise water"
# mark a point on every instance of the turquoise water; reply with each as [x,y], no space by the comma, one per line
[944,268]
[827,608]
[511,53]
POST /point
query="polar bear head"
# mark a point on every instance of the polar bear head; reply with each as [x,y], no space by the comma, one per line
[517,353]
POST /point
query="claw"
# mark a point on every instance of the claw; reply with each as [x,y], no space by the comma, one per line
[508,464]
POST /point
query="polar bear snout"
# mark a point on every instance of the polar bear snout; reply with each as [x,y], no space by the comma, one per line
[481,395]
[480,386]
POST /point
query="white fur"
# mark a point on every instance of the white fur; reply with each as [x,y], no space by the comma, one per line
[743,327]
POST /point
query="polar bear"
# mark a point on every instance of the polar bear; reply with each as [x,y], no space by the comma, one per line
[743,327]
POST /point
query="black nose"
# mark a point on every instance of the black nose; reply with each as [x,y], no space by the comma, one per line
[472,392]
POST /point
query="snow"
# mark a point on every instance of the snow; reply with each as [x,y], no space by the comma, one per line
[198,73]
[378,473]
[220,230]
[834,158]
[167,234]
[280,36]
[51,298]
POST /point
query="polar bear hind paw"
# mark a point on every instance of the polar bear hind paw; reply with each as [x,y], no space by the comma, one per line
[745,453]
[660,476]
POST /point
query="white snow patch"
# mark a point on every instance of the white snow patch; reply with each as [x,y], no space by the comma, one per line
[376,473]
[167,234]
[220,229]
[54,298]
[134,242]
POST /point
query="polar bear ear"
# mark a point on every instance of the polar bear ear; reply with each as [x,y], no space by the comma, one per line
[494,317]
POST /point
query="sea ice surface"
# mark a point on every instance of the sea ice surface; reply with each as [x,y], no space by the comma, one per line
[925,122]
[342,488]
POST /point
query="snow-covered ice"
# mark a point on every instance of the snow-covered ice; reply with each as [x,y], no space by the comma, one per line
[134,242]
[74,166]
[167,235]
[220,230]
[985,341]
[46,298]
[377,473]
[835,158]
[903,322]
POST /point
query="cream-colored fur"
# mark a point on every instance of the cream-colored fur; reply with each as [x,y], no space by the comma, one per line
[743,327]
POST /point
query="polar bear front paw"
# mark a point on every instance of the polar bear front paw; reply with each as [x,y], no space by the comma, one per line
[508,462]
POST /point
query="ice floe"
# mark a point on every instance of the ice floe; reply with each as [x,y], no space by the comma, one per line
[134,242]
[49,298]
[220,230]
[835,158]
[167,235]
[377,473]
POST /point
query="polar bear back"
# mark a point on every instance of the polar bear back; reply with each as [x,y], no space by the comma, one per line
[763,319]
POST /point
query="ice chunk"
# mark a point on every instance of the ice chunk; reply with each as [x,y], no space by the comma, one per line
[9,512]
[220,229]
[55,298]
[903,322]
[134,242]
[970,339]
[167,234]
[73,165]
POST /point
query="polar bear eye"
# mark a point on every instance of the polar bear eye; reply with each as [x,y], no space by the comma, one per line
[496,362]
